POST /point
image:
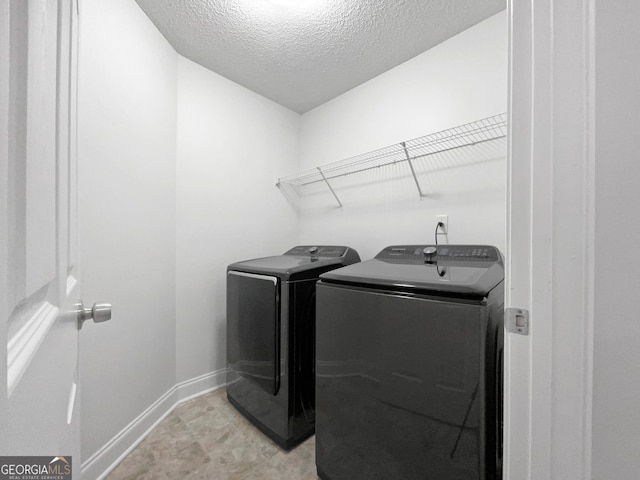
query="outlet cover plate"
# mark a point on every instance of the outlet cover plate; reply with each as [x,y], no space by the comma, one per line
[444,219]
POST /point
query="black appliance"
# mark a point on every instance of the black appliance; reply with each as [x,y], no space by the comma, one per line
[409,366]
[271,338]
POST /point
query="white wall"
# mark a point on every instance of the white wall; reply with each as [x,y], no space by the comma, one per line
[616,356]
[177,179]
[127,151]
[232,145]
[459,81]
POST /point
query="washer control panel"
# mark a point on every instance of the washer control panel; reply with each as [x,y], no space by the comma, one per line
[317,251]
[437,253]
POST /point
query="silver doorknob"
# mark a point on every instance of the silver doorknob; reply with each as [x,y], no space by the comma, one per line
[100,312]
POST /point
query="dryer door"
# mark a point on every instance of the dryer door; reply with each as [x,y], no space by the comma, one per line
[253,328]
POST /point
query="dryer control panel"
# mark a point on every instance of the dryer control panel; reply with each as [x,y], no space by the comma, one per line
[440,253]
[317,251]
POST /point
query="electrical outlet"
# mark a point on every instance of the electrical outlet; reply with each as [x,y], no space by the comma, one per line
[444,219]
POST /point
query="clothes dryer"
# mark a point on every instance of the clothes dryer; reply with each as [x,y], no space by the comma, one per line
[271,338]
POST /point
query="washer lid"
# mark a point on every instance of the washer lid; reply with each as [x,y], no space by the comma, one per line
[471,270]
[303,261]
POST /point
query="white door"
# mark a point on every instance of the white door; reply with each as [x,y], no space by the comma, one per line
[39,398]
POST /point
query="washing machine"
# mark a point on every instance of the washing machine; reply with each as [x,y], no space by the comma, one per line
[409,365]
[271,338]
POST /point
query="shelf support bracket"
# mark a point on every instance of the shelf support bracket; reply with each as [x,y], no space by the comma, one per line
[413,172]
[329,185]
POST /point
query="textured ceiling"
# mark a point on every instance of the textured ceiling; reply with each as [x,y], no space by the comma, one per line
[306,52]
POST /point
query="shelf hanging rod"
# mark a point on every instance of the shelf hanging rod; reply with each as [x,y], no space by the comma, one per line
[330,188]
[413,172]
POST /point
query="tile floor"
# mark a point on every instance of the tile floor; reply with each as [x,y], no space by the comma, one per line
[206,438]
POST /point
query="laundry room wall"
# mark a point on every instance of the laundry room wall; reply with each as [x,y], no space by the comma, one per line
[127,194]
[232,145]
[461,80]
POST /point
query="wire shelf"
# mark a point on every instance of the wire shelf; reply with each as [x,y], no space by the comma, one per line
[480,131]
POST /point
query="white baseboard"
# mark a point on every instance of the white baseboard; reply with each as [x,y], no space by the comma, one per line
[115,450]
[200,385]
